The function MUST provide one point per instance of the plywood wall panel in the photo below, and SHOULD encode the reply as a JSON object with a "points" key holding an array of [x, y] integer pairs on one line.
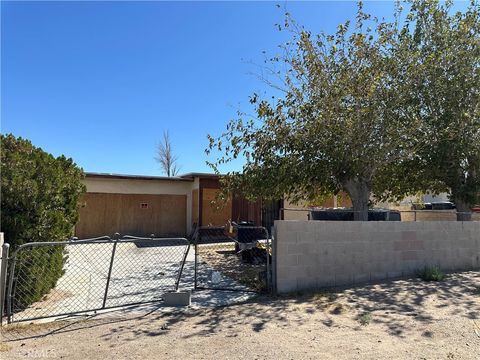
{"points": [[213, 214], [105, 214]]}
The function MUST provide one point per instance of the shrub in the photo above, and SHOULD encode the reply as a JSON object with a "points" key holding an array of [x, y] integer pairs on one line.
{"points": [[431, 273], [365, 319], [40, 195]]}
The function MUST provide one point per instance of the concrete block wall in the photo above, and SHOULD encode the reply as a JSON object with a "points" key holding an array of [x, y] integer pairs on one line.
{"points": [[317, 254]]}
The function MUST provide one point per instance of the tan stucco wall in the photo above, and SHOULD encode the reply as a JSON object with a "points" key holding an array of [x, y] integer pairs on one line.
{"points": [[141, 186], [295, 211], [137, 186], [299, 211], [316, 254]]}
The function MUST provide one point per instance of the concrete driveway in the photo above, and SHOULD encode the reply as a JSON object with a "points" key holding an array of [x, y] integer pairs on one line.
{"points": [[139, 275]]}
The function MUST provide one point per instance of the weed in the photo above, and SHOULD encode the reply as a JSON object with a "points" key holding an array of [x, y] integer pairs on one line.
{"points": [[4, 347], [431, 273], [365, 319]]}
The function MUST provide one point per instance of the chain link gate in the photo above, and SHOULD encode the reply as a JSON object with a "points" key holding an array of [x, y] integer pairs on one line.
{"points": [[237, 259], [96, 274]]}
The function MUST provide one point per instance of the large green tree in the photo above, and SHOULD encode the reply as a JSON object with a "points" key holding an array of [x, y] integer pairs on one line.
{"points": [[340, 121], [446, 46]]}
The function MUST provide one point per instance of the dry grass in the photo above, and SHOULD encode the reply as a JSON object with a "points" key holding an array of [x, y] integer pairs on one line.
{"points": [[4, 347], [222, 258]]}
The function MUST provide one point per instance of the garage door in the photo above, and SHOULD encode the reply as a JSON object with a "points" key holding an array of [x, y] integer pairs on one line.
{"points": [[132, 214]]}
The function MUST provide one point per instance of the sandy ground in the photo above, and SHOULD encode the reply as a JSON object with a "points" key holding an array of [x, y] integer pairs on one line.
{"points": [[404, 319], [230, 272]]}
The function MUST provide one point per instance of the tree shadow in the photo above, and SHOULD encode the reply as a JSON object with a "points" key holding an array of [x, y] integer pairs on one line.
{"points": [[395, 301], [391, 304]]}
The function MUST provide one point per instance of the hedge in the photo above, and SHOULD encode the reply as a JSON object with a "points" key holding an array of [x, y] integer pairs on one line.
{"points": [[40, 199]]}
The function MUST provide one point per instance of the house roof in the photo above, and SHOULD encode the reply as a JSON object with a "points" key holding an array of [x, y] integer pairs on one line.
{"points": [[136, 177], [201, 175]]}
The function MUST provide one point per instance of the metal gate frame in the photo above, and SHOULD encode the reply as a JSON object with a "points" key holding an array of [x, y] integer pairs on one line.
{"points": [[8, 264], [268, 265]]}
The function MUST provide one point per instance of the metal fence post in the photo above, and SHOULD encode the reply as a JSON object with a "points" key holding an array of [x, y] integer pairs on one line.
{"points": [[115, 237], [3, 279], [10, 288], [274, 259], [177, 283], [196, 262], [267, 248]]}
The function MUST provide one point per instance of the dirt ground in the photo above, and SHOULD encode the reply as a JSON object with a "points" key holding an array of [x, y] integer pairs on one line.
{"points": [[403, 319], [223, 258]]}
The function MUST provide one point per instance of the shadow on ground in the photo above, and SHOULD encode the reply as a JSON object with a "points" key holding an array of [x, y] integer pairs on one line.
{"points": [[392, 304]]}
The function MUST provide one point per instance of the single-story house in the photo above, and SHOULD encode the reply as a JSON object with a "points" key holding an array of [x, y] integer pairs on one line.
{"points": [[163, 206], [172, 206]]}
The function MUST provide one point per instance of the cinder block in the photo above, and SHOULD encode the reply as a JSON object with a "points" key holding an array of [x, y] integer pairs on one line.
{"points": [[308, 259], [296, 226], [409, 255], [306, 247], [282, 248], [351, 226], [417, 245], [379, 226], [311, 271], [177, 298], [294, 249], [283, 271], [400, 245], [411, 266], [361, 278], [378, 276], [475, 261], [326, 281], [280, 225], [394, 274], [409, 235], [290, 260], [306, 283], [343, 279], [286, 285], [336, 226]]}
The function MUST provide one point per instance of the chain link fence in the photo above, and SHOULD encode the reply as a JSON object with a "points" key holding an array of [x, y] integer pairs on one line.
{"points": [[95, 274], [237, 258]]}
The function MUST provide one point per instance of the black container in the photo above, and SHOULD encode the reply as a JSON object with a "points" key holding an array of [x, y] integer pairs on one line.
{"points": [[347, 215], [248, 234]]}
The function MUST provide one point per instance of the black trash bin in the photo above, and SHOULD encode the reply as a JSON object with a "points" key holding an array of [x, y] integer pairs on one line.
{"points": [[248, 234], [347, 215]]}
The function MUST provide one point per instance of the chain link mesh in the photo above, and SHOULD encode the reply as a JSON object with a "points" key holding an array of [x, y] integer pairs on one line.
{"points": [[232, 260], [92, 274]]}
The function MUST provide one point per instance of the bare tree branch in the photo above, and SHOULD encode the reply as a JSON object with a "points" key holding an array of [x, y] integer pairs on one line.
{"points": [[165, 157]]}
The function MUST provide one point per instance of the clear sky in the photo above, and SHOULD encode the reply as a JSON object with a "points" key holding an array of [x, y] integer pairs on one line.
{"points": [[100, 81]]}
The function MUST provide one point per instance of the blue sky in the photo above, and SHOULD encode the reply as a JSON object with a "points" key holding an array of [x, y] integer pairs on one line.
{"points": [[100, 81]]}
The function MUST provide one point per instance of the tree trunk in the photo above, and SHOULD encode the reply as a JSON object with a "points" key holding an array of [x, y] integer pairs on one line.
{"points": [[359, 192], [464, 213]]}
